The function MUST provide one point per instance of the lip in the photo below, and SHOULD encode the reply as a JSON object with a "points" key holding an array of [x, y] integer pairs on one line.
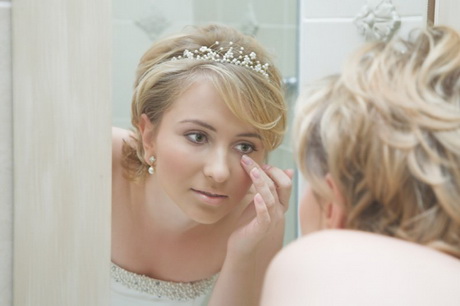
{"points": [[209, 197]]}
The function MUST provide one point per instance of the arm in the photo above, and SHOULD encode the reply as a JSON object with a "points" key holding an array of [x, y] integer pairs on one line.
{"points": [[240, 280], [252, 246]]}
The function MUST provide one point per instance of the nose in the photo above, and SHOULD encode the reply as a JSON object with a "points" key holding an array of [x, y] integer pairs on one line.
{"points": [[217, 166]]}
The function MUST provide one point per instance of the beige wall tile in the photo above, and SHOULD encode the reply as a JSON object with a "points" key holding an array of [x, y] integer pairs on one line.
{"points": [[206, 11], [282, 43], [136, 26], [276, 12]]}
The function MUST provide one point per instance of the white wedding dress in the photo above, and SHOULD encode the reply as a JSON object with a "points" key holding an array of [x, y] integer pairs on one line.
{"points": [[131, 289]]}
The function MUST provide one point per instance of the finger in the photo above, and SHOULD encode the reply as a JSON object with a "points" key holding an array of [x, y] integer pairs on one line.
{"points": [[261, 181], [289, 172], [265, 187], [252, 190], [283, 182], [249, 164], [263, 216], [281, 178]]}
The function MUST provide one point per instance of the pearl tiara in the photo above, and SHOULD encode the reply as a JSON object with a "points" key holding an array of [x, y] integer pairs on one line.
{"points": [[240, 59]]}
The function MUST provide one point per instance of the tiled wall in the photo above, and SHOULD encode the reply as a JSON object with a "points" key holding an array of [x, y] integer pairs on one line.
{"points": [[328, 33], [135, 26], [6, 158], [273, 22]]}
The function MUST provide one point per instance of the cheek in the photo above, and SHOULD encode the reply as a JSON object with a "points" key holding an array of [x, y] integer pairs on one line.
{"points": [[173, 161], [241, 182]]}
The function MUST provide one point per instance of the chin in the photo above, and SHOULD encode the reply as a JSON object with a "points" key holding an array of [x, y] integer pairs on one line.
{"points": [[207, 218]]}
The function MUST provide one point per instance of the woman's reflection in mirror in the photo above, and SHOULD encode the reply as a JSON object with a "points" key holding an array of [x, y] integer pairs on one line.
{"points": [[197, 214]]}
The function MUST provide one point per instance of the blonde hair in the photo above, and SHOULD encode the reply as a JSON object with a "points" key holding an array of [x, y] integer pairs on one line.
{"points": [[388, 131], [251, 96]]}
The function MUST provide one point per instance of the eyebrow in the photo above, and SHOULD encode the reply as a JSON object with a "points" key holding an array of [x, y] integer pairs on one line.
{"points": [[210, 127]]}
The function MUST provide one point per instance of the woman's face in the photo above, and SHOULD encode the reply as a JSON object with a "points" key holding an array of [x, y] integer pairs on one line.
{"points": [[198, 146]]}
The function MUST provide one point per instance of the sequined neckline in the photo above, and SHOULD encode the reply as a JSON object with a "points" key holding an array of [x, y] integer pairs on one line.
{"points": [[177, 291]]}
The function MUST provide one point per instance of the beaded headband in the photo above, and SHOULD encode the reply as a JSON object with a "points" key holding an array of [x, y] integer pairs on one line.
{"points": [[240, 59]]}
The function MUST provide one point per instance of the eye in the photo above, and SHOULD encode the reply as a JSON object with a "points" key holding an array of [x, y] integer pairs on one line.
{"points": [[196, 137], [245, 148]]}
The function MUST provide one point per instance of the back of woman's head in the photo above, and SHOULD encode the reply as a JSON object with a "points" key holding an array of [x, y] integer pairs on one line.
{"points": [[388, 131], [237, 65]]}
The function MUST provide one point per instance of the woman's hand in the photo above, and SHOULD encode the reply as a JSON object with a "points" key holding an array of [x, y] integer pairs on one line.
{"points": [[256, 239], [270, 195]]}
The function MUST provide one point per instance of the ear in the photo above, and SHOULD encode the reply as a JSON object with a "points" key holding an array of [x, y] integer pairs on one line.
{"points": [[335, 212], [146, 128]]}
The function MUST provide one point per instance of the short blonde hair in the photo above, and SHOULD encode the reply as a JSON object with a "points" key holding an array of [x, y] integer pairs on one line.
{"points": [[388, 131], [253, 97]]}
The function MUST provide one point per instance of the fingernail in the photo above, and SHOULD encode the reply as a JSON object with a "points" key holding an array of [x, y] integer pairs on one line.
{"points": [[246, 160], [258, 198], [266, 167], [255, 173]]}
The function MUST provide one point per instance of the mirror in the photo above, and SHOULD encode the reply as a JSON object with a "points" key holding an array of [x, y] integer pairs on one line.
{"points": [[274, 23]]}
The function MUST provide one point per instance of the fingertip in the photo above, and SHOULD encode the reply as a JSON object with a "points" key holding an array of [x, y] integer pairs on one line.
{"points": [[255, 173], [258, 198], [262, 211], [289, 172], [246, 160]]}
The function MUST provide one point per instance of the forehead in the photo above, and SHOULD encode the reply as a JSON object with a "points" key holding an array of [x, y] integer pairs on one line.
{"points": [[223, 82], [202, 101]]}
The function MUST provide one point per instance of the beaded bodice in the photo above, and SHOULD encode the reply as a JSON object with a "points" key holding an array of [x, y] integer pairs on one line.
{"points": [[177, 291]]}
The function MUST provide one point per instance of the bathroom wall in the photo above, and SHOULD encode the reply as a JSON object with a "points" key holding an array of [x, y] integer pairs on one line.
{"points": [[135, 26], [329, 33], [272, 22], [6, 158]]}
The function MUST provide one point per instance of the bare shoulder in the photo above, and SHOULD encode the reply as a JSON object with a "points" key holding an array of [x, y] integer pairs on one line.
{"points": [[341, 267]]}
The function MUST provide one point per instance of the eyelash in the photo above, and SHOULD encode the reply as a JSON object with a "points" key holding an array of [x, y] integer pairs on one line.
{"points": [[252, 148], [192, 137]]}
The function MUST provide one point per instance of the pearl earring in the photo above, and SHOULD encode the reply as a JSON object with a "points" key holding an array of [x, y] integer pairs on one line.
{"points": [[152, 159]]}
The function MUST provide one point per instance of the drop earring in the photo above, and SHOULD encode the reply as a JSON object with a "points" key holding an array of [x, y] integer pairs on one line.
{"points": [[152, 159]]}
